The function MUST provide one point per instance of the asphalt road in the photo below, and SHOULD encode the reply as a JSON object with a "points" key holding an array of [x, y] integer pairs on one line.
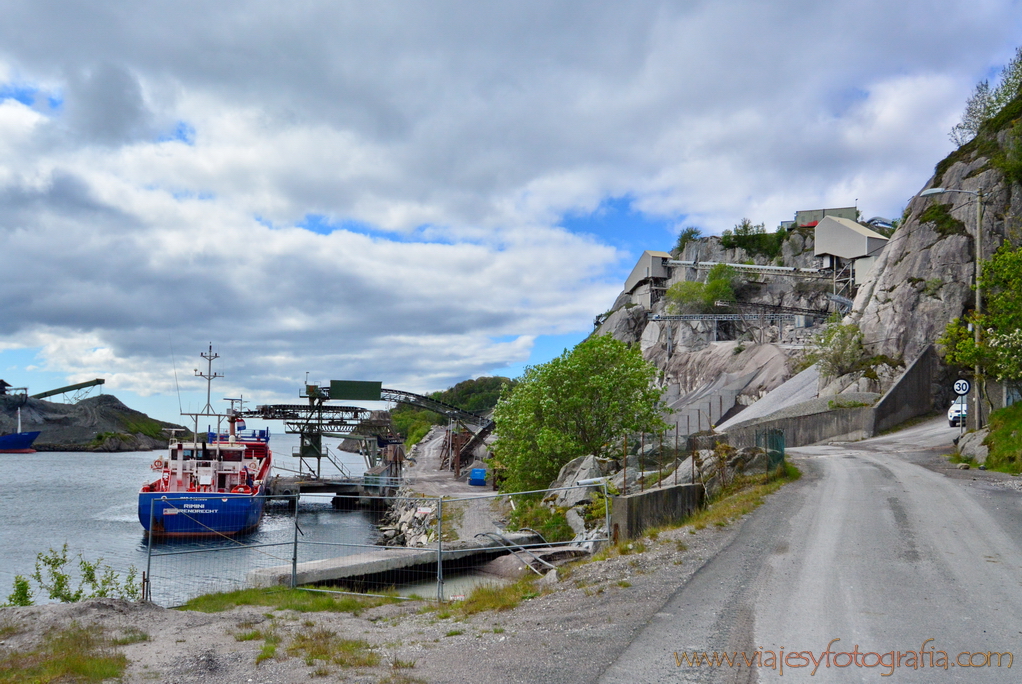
{"points": [[881, 545]]}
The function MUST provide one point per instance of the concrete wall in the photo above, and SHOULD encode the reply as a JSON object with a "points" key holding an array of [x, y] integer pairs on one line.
{"points": [[840, 424], [911, 395], [632, 515]]}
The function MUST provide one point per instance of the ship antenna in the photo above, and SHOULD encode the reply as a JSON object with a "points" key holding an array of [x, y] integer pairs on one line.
{"points": [[180, 408]]}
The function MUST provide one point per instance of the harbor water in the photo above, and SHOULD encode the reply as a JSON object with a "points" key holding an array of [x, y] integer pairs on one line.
{"points": [[89, 501]]}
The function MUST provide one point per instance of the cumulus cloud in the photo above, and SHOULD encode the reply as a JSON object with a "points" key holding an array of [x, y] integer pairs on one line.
{"points": [[375, 190]]}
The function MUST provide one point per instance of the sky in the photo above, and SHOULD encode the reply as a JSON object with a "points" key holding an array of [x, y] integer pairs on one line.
{"points": [[420, 193]]}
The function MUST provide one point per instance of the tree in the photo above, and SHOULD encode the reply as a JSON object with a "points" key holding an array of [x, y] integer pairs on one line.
{"points": [[999, 354], [572, 406], [684, 237], [694, 297], [986, 102]]}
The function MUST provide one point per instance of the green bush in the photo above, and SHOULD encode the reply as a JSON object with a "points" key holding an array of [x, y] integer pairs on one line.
{"points": [[536, 515], [1005, 440]]}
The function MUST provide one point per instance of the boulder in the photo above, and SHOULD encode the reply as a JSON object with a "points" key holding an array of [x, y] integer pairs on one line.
{"points": [[971, 445], [581, 468]]}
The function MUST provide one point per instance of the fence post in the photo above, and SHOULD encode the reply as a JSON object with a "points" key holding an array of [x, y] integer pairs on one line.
{"points": [[294, 551], [606, 508], [440, 549], [147, 592]]}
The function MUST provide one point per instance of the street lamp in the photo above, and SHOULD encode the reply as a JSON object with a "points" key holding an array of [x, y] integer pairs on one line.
{"points": [[978, 194]]}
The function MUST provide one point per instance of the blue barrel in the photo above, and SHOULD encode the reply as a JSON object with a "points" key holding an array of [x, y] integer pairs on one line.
{"points": [[477, 477]]}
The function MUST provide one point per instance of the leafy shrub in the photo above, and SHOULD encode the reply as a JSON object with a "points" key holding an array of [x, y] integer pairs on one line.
{"points": [[536, 515], [95, 580], [754, 239]]}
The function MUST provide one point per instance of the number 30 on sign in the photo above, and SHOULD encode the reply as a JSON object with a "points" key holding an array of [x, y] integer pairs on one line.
{"points": [[962, 387]]}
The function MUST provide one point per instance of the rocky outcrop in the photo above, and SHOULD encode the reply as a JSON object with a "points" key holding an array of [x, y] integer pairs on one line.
{"points": [[101, 423], [923, 278]]}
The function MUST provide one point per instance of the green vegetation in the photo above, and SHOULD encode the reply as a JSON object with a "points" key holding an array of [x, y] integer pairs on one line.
{"points": [[55, 577], [687, 235], [742, 495], [142, 425], [690, 296], [324, 645], [489, 597], [754, 239], [22, 594], [479, 395], [845, 404], [1005, 440], [80, 654], [574, 405], [943, 222], [838, 350], [281, 598], [999, 354], [988, 104], [1009, 161], [536, 515]]}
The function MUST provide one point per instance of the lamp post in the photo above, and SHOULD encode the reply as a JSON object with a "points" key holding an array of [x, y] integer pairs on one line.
{"points": [[978, 194]]}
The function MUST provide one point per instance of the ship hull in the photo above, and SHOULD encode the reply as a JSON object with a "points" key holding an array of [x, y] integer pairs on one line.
{"points": [[18, 443], [183, 514]]}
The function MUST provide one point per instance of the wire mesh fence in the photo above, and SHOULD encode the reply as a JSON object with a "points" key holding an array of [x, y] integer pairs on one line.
{"points": [[415, 545]]}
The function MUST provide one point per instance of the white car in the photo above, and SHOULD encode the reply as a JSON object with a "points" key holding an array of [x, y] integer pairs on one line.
{"points": [[957, 413]]}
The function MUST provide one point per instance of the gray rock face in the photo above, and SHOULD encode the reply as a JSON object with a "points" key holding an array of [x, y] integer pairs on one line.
{"points": [[581, 468], [922, 279]]}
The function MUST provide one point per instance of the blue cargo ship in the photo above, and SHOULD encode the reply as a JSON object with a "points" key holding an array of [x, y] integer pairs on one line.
{"points": [[214, 487], [18, 442], [208, 488]]}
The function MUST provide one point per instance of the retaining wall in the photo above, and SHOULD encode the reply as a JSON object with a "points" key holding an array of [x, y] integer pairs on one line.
{"points": [[911, 395], [839, 424], [632, 515]]}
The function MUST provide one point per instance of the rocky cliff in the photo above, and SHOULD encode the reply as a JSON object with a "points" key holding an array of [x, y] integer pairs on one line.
{"points": [[924, 277]]}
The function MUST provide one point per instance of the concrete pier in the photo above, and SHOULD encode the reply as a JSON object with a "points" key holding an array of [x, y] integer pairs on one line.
{"points": [[379, 559]]}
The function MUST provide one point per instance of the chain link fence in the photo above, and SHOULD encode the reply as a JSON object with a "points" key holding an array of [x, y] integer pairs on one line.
{"points": [[415, 545]]}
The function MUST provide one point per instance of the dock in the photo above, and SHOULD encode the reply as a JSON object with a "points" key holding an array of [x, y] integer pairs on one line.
{"points": [[386, 559]]}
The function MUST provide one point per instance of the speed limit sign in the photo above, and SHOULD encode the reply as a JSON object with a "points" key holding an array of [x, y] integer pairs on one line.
{"points": [[962, 387]]}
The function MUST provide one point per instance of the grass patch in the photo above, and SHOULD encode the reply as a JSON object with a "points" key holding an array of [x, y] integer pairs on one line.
{"points": [[402, 678], [498, 598], [80, 654], [324, 645], [280, 598], [1005, 440], [250, 635], [943, 222], [624, 584], [455, 632], [399, 664], [741, 496], [130, 635]]}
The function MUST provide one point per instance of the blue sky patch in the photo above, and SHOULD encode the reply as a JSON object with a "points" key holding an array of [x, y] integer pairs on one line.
{"points": [[616, 223], [25, 94], [545, 348], [183, 132]]}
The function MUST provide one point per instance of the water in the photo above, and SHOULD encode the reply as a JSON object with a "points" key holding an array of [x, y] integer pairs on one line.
{"points": [[89, 501]]}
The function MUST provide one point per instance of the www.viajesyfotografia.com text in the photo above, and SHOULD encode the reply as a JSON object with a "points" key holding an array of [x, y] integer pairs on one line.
{"points": [[927, 657]]}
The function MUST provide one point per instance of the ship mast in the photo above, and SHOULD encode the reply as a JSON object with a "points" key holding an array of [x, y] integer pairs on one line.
{"points": [[209, 376]]}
